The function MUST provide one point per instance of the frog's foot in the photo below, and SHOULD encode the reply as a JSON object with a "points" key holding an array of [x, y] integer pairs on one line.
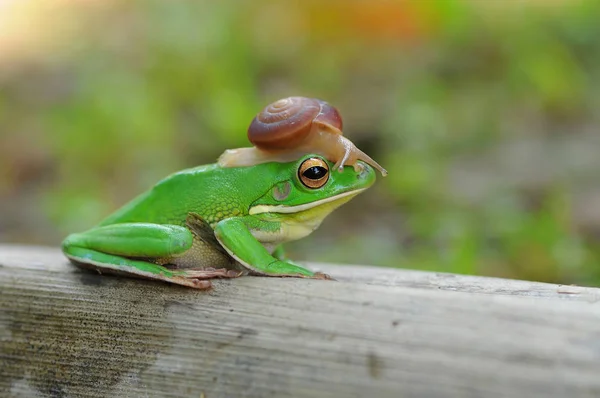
{"points": [[320, 275], [211, 273], [190, 282], [196, 278], [316, 275]]}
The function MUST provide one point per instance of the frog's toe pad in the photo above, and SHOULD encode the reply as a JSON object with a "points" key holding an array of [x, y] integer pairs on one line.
{"points": [[201, 284], [320, 275]]}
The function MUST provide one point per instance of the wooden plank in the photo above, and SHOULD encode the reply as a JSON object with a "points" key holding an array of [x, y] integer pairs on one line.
{"points": [[460, 283], [66, 332]]}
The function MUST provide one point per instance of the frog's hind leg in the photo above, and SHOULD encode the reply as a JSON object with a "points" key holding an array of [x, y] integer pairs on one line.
{"points": [[129, 249], [116, 265]]}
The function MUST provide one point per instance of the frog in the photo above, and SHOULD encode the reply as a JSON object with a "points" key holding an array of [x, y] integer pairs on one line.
{"points": [[211, 221]]}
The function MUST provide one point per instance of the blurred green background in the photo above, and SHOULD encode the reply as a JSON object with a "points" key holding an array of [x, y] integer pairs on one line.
{"points": [[483, 112]]}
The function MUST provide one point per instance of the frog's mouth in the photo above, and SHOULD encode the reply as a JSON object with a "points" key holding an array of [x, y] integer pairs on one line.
{"points": [[343, 198]]}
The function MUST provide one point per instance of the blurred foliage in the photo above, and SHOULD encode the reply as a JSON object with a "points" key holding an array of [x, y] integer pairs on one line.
{"points": [[482, 112]]}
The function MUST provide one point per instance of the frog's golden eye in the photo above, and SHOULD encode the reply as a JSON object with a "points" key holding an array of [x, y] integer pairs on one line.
{"points": [[314, 173]]}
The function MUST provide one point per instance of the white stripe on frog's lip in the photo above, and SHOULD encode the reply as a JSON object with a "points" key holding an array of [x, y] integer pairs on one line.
{"points": [[297, 209]]}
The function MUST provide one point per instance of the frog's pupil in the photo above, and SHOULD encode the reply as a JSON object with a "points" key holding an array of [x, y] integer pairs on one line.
{"points": [[315, 172]]}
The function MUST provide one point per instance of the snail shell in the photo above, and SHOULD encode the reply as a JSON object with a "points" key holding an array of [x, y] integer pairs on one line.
{"points": [[288, 122], [292, 127]]}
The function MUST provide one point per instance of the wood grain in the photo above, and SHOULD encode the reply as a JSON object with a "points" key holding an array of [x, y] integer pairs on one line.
{"points": [[373, 333]]}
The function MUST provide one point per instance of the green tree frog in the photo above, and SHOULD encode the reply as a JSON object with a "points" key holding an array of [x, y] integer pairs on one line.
{"points": [[213, 221]]}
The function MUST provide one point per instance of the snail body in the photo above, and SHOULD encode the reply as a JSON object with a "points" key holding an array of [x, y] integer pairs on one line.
{"points": [[292, 127]]}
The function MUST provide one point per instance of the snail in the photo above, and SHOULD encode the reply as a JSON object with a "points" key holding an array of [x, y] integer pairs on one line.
{"points": [[292, 127]]}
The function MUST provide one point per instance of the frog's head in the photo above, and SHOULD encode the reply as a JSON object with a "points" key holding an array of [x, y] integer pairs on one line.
{"points": [[309, 189]]}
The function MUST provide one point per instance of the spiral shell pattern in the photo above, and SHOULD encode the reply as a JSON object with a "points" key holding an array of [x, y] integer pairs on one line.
{"points": [[285, 123]]}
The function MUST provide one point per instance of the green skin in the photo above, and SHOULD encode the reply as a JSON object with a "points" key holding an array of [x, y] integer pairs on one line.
{"points": [[209, 222]]}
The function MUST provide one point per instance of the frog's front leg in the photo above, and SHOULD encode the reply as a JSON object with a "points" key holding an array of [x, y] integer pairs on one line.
{"points": [[129, 248], [235, 235]]}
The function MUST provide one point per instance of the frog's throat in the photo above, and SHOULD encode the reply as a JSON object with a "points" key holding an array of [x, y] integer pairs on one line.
{"points": [[259, 209]]}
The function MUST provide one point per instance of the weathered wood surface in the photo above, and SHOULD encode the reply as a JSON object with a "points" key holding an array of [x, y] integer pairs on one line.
{"points": [[373, 333]]}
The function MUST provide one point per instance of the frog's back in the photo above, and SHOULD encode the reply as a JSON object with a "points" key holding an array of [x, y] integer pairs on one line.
{"points": [[212, 192]]}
